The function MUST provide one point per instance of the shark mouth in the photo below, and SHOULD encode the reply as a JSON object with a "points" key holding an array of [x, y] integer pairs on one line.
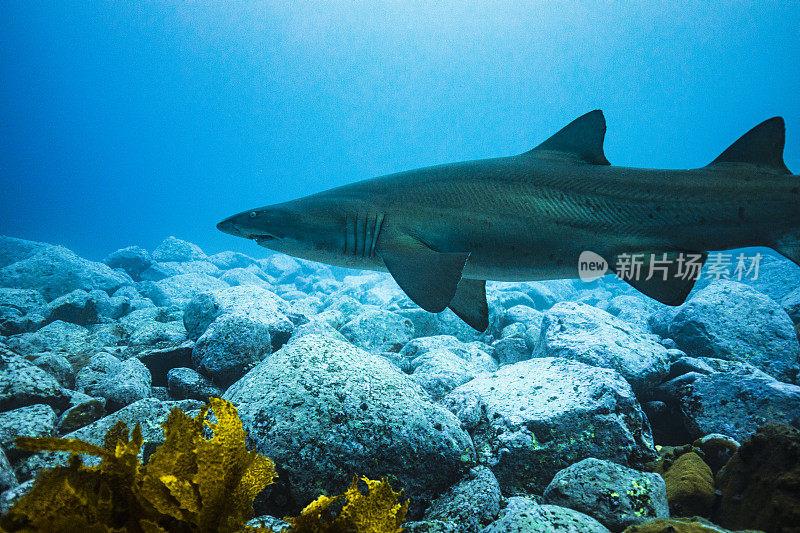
{"points": [[260, 239]]}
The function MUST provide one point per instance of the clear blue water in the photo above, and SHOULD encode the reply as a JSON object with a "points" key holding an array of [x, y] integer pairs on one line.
{"points": [[121, 124]]}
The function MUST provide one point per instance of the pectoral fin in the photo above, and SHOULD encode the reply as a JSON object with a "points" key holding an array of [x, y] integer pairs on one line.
{"points": [[665, 276], [428, 277], [469, 303]]}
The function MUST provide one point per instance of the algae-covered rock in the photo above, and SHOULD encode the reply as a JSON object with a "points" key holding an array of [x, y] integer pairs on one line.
{"points": [[324, 410], [760, 485], [690, 486], [678, 525], [615, 495]]}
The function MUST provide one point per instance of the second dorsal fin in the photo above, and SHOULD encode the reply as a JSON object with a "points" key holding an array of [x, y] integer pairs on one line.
{"points": [[581, 139], [762, 146]]}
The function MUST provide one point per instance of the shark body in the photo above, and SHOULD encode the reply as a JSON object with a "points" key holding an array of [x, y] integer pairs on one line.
{"points": [[442, 231]]}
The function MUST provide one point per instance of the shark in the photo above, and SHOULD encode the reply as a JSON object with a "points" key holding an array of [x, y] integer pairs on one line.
{"points": [[443, 231]]}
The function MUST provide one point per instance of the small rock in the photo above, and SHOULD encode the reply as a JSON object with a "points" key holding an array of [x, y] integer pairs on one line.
{"points": [[8, 480], [186, 384], [535, 518], [471, 503], [230, 260], [615, 495], [690, 486], [84, 410]]}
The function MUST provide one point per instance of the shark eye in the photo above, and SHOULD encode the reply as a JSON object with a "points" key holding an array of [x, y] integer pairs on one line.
{"points": [[253, 214]]}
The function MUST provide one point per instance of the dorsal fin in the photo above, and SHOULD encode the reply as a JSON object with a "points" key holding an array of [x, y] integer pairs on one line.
{"points": [[762, 146], [582, 139]]}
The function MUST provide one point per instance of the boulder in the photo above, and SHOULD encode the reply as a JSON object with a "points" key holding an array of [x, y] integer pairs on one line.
{"points": [[634, 310], [323, 410], [232, 345], [613, 494], [120, 382], [690, 486], [734, 399], [179, 290], [71, 340], [244, 276], [205, 307], [441, 370], [729, 320], [186, 384], [8, 480], [55, 271], [584, 333], [38, 420], [759, 485], [83, 410], [16, 308], [526, 516], [57, 366], [281, 267], [13, 249], [133, 260], [470, 504], [378, 330], [173, 249], [475, 352], [230, 260], [531, 419], [159, 271], [23, 384], [512, 348]]}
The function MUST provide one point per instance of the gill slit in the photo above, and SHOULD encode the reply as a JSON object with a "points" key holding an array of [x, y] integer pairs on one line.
{"points": [[361, 234]]}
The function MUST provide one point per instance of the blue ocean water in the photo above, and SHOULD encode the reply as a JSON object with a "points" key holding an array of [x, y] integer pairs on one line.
{"points": [[122, 123]]}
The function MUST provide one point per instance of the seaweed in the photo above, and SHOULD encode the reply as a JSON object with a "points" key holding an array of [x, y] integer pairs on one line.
{"points": [[190, 484]]}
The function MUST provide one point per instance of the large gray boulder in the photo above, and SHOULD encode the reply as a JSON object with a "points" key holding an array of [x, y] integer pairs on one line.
{"points": [[120, 382], [325, 410], [72, 340], [174, 249], [229, 260], [55, 271], [470, 504], [167, 269], [179, 290], [17, 310], [531, 419], [729, 397], [441, 370], [134, 260], [22, 384], [584, 333], [729, 320], [244, 300], [526, 516], [38, 420], [232, 345], [378, 330], [13, 249], [615, 495]]}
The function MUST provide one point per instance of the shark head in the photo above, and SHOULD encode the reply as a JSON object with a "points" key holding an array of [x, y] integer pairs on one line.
{"points": [[301, 228]]}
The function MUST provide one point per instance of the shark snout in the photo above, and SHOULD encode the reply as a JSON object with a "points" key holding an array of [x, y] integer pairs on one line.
{"points": [[229, 226]]}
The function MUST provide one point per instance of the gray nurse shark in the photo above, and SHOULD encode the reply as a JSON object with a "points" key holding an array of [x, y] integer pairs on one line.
{"points": [[442, 231]]}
